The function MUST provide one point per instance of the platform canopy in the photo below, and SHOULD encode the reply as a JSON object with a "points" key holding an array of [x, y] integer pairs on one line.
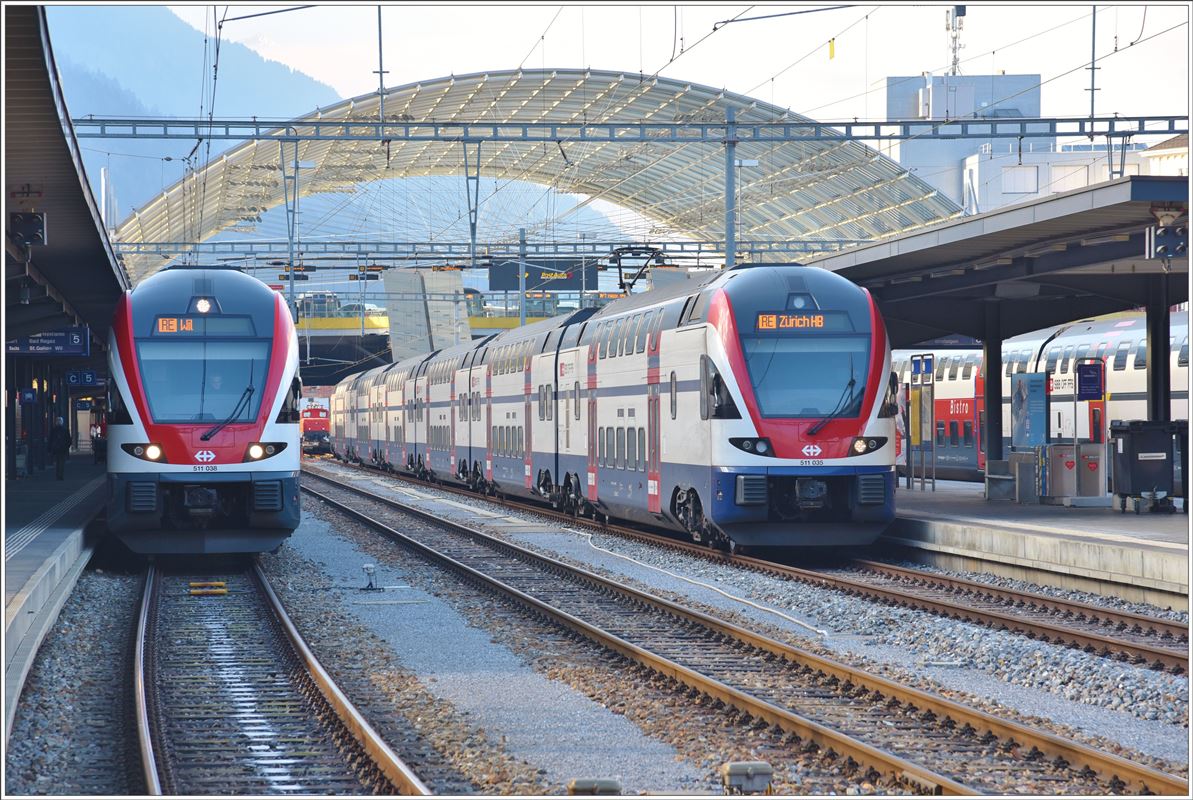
{"points": [[797, 190]]}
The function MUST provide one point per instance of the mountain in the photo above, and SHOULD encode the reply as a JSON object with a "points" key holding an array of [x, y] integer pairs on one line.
{"points": [[144, 61]]}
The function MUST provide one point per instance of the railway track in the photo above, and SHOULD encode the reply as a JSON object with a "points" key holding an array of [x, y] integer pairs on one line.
{"points": [[229, 700], [875, 726], [1150, 641]]}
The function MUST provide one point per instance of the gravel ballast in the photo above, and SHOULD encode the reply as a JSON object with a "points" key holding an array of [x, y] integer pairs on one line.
{"points": [[558, 731], [1105, 702], [71, 734]]}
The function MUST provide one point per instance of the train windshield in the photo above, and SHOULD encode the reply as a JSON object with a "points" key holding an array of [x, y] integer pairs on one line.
{"points": [[204, 380], [807, 376]]}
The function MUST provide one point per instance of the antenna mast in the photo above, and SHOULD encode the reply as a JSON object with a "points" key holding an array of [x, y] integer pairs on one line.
{"points": [[954, 23]]}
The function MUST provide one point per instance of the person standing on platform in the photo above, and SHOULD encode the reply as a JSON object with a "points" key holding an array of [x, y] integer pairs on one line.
{"points": [[59, 444]]}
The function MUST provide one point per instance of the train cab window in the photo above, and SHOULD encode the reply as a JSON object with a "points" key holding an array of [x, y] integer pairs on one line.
{"points": [[610, 446], [631, 449], [967, 431], [954, 439], [600, 447], [642, 449], [954, 365], [674, 397], [621, 448], [576, 391], [1141, 354], [1120, 355], [940, 434], [1182, 359], [1064, 359]]}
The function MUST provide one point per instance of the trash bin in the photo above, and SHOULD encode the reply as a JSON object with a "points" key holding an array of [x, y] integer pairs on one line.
{"points": [[1180, 460], [1142, 451]]}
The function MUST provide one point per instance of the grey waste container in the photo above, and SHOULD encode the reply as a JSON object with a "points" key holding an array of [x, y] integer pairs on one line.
{"points": [[1142, 452]]}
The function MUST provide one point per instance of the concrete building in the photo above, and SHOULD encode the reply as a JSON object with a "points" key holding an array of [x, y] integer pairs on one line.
{"points": [[940, 162], [426, 311]]}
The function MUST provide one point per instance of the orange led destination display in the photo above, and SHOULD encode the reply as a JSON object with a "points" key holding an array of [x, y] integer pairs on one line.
{"points": [[175, 325], [787, 321], [206, 325]]}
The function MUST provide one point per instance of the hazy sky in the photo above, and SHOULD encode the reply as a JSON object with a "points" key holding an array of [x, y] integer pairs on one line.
{"points": [[784, 60]]}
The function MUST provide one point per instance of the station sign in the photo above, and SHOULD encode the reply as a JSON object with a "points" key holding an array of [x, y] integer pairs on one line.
{"points": [[80, 377], [297, 277], [1089, 381], [82, 405], [28, 397], [370, 277], [544, 274], [74, 341]]}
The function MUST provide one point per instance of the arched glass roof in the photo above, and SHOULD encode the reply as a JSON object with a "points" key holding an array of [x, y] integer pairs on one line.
{"points": [[798, 190]]}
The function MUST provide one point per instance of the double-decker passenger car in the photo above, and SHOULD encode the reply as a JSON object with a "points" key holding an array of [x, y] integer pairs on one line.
{"points": [[1119, 341], [203, 415], [755, 408]]}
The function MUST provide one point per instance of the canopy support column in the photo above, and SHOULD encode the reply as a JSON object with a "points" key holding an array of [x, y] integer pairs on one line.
{"points": [[1159, 357], [992, 359]]}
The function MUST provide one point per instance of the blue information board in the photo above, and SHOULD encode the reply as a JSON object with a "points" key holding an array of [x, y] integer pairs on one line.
{"points": [[66, 342], [80, 377], [83, 405], [1089, 381], [28, 397], [1029, 409]]}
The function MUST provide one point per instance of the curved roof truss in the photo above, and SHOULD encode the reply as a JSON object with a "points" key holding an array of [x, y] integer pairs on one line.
{"points": [[799, 190]]}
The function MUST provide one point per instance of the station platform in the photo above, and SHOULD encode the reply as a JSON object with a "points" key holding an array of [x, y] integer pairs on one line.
{"points": [[1138, 557], [45, 550]]}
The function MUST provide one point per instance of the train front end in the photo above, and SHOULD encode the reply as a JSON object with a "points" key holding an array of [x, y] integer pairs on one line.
{"points": [[810, 462], [204, 446]]}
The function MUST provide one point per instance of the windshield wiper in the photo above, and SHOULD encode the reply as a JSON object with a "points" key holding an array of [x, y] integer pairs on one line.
{"points": [[842, 405], [244, 398]]}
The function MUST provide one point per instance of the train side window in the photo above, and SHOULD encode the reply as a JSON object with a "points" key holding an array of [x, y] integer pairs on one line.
{"points": [[941, 365], [1082, 352], [1101, 351], [1141, 354], [631, 449], [521, 441], [640, 335], [600, 337], [627, 342], [1120, 355], [1182, 359], [954, 440], [1053, 357], [1009, 360], [953, 366], [623, 332], [542, 405], [940, 434], [642, 449], [610, 446], [576, 390], [1064, 359], [600, 447], [674, 397], [549, 391], [967, 371], [621, 448], [967, 431]]}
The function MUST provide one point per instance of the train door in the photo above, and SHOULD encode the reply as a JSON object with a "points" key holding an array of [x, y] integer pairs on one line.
{"points": [[653, 479], [410, 395]]}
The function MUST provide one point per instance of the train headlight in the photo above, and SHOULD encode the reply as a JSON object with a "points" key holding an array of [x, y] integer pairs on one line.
{"points": [[866, 444], [758, 447], [145, 452], [259, 450], [203, 306], [762, 448]]}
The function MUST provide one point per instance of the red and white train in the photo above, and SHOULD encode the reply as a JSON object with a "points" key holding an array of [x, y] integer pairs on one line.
{"points": [[755, 408], [203, 453], [1119, 341]]}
